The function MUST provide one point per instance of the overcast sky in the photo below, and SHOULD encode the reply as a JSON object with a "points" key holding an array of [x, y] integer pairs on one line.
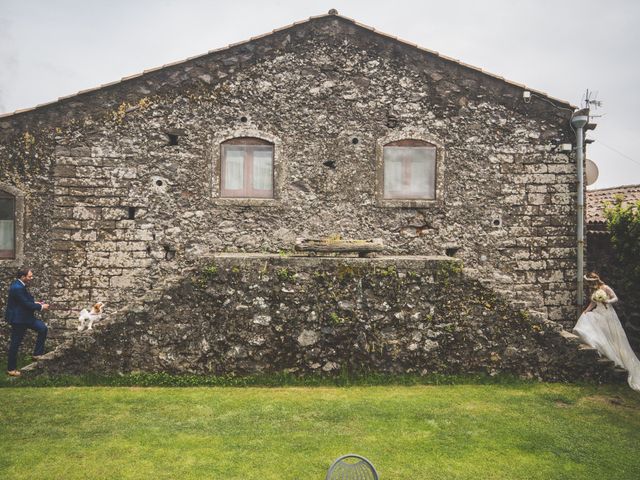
{"points": [[53, 48]]}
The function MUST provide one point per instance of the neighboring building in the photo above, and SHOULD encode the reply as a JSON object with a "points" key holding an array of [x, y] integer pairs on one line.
{"points": [[325, 127], [598, 200]]}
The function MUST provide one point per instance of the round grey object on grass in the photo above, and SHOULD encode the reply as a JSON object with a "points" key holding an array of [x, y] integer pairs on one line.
{"points": [[352, 466]]}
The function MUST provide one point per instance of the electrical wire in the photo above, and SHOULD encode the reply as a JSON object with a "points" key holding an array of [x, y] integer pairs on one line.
{"points": [[618, 152]]}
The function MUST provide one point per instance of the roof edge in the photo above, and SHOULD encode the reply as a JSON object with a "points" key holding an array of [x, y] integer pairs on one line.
{"points": [[332, 13], [620, 187]]}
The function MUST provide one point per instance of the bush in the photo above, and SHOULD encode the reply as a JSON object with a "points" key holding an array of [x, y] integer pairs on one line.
{"points": [[623, 223]]}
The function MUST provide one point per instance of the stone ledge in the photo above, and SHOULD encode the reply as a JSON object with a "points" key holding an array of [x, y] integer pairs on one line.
{"points": [[299, 257]]}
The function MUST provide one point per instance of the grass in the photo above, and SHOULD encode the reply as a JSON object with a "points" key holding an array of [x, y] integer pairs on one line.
{"points": [[344, 379], [517, 430]]}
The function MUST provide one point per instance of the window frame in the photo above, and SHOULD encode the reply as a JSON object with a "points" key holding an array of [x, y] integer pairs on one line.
{"points": [[406, 175], [250, 145], [4, 195], [18, 226], [414, 137], [216, 140]]}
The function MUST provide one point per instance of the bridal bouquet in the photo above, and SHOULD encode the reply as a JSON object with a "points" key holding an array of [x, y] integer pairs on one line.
{"points": [[600, 296]]}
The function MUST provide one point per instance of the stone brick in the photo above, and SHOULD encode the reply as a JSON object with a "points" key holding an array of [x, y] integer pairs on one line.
{"points": [[64, 171], [562, 199], [562, 168], [82, 151], [131, 246], [122, 281], [84, 213], [537, 199]]}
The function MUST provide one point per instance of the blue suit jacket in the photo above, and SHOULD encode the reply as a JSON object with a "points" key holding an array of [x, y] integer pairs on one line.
{"points": [[20, 305]]}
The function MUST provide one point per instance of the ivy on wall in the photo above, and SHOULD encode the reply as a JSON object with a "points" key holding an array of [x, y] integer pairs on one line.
{"points": [[623, 223]]}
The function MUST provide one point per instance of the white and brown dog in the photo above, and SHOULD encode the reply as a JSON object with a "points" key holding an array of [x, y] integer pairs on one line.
{"points": [[87, 317]]}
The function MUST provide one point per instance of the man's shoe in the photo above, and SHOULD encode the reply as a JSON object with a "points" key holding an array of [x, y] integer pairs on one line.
{"points": [[37, 357], [14, 373]]}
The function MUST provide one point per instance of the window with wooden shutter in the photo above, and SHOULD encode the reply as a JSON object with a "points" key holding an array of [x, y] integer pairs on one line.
{"points": [[7, 225], [246, 169]]}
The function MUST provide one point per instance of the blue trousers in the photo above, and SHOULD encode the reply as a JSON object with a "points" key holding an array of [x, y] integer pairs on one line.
{"points": [[18, 331]]}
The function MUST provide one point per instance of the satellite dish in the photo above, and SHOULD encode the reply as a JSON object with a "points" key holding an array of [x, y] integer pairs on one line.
{"points": [[592, 172]]}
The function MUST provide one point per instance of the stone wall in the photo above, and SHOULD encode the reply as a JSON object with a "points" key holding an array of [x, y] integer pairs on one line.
{"points": [[242, 314], [26, 164], [131, 212]]}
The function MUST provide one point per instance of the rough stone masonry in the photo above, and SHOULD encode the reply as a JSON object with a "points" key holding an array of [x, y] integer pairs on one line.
{"points": [[244, 314], [118, 188]]}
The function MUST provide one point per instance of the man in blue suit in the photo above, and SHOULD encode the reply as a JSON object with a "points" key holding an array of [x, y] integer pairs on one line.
{"points": [[20, 314]]}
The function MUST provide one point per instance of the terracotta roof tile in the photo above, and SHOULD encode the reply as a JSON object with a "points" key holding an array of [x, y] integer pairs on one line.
{"points": [[596, 200]]}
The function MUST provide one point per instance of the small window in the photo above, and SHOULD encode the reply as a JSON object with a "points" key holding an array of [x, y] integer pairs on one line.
{"points": [[409, 170], [246, 169], [7, 225]]}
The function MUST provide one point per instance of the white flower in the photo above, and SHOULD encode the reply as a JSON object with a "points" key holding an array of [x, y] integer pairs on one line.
{"points": [[600, 296]]}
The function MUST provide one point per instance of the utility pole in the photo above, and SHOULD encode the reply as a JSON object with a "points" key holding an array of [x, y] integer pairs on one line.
{"points": [[579, 120]]}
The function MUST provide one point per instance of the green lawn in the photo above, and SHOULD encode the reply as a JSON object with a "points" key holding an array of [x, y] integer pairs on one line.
{"points": [[520, 431]]}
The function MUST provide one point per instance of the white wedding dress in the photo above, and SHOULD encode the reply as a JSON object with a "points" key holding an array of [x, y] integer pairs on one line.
{"points": [[600, 328]]}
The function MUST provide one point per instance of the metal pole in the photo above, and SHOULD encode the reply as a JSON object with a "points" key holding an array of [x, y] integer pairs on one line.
{"points": [[578, 121]]}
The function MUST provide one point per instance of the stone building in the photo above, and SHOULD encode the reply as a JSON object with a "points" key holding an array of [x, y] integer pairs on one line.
{"points": [[322, 129]]}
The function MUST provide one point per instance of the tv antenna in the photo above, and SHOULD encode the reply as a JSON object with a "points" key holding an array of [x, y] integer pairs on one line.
{"points": [[590, 99]]}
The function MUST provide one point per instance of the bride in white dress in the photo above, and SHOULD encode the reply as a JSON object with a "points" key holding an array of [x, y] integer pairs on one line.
{"points": [[600, 328]]}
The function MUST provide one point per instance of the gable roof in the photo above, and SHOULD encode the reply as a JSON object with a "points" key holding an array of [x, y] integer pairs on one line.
{"points": [[333, 14], [597, 199]]}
